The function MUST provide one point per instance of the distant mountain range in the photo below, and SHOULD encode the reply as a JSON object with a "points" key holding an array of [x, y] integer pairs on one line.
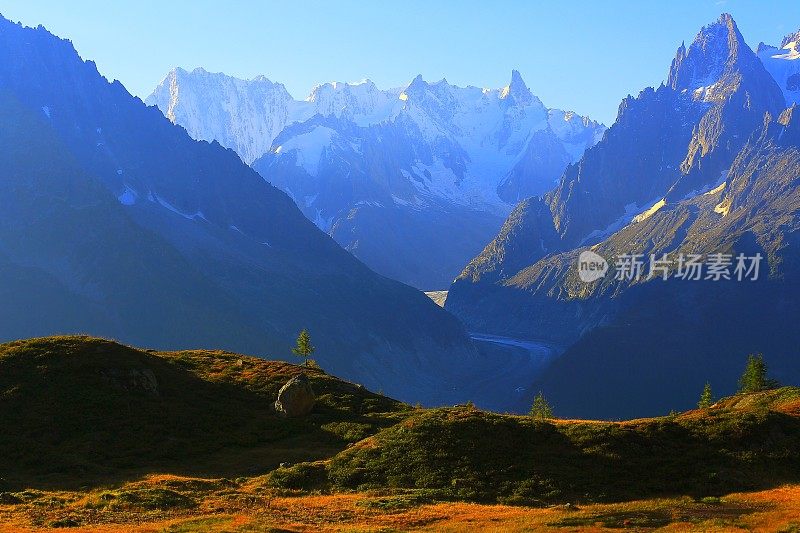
{"points": [[413, 181], [707, 163], [116, 222]]}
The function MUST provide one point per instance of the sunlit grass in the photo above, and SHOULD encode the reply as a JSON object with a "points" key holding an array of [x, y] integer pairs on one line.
{"points": [[246, 507]]}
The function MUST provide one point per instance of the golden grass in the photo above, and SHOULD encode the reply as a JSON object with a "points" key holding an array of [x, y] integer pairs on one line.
{"points": [[247, 506]]}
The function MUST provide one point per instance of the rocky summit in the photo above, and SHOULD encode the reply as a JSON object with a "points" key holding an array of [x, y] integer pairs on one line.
{"points": [[704, 164]]}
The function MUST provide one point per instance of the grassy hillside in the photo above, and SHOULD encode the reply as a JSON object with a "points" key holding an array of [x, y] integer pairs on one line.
{"points": [[466, 454], [99, 433], [81, 410]]}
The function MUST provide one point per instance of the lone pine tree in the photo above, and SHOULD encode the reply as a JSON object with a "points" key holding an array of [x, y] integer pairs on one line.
{"points": [[303, 347], [540, 408], [754, 378], [706, 398]]}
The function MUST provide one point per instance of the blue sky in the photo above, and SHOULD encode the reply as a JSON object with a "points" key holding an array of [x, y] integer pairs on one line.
{"points": [[576, 55]]}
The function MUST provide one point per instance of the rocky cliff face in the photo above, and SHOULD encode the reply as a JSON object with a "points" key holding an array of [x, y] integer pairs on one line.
{"points": [[702, 165], [672, 336], [669, 141]]}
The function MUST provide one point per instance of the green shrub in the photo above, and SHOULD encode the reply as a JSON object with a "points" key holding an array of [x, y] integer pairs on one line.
{"points": [[302, 476]]}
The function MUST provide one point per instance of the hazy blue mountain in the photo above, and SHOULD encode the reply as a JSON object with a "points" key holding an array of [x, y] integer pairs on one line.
{"points": [[117, 223]]}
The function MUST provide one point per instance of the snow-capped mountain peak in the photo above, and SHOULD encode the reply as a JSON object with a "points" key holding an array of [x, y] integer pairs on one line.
{"points": [[517, 90], [438, 98], [784, 65], [789, 48], [792, 43], [245, 115], [361, 102]]}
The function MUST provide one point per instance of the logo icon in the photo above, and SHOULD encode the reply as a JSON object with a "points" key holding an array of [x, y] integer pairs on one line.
{"points": [[591, 266]]}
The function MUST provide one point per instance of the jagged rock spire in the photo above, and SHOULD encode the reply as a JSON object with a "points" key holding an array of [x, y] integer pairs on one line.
{"points": [[516, 90], [715, 49]]}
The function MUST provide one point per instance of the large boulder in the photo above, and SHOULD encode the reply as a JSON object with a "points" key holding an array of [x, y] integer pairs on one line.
{"points": [[296, 398], [141, 380]]}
